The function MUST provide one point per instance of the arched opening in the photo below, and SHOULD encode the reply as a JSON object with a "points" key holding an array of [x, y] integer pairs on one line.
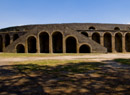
{"points": [[57, 40], [15, 37], [127, 42], [1, 44], [96, 37], [118, 42], [108, 42], [91, 28], [85, 34], [84, 49], [7, 40], [71, 45], [117, 28], [44, 42], [20, 48], [31, 41]]}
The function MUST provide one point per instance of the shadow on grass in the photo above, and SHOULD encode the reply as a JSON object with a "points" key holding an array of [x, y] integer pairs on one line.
{"points": [[123, 61], [84, 78]]}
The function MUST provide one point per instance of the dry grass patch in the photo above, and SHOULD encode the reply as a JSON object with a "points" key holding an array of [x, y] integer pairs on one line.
{"points": [[42, 54]]}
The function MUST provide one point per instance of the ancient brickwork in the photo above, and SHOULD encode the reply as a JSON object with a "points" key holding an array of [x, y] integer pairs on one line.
{"points": [[66, 38]]}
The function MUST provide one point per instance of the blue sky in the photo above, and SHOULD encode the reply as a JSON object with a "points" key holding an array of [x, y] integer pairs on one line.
{"points": [[23, 12]]}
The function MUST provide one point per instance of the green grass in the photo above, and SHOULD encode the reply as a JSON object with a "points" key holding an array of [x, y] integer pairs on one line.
{"points": [[54, 66], [47, 62], [123, 61], [51, 62], [41, 54]]}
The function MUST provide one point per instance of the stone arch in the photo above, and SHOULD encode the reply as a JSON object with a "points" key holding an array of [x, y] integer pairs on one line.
{"points": [[118, 42], [7, 40], [119, 33], [57, 42], [15, 37], [92, 28], [108, 42], [127, 42], [1, 43], [44, 42], [31, 42], [96, 37], [20, 48], [117, 28], [85, 34], [84, 49], [71, 45]]}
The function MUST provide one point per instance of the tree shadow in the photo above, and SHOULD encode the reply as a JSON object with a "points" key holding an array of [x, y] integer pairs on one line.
{"points": [[84, 78]]}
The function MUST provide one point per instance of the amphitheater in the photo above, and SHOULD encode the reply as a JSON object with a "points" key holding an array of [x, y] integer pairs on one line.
{"points": [[66, 38]]}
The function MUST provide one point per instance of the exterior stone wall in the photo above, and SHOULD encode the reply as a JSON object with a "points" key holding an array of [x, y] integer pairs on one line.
{"points": [[93, 38]]}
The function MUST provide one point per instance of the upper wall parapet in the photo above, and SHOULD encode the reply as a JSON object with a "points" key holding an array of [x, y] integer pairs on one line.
{"points": [[74, 26]]}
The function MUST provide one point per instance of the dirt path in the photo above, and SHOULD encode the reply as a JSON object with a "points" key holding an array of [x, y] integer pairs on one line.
{"points": [[91, 57], [96, 57]]}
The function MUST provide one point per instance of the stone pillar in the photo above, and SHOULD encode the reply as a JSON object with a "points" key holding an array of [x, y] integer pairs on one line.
{"points": [[123, 44], [64, 46], [113, 44], [26, 46], [50, 45], [77, 47], [101, 40], [38, 45], [90, 37]]}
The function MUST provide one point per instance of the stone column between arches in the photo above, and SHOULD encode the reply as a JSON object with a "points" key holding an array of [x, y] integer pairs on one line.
{"points": [[64, 45], [101, 40], [50, 45], [38, 44], [123, 44], [90, 37], [113, 44]]}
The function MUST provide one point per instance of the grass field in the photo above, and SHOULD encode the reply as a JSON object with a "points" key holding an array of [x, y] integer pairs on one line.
{"points": [[68, 65], [42, 54]]}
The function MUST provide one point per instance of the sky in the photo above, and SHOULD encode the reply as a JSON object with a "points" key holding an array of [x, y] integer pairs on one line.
{"points": [[24, 12]]}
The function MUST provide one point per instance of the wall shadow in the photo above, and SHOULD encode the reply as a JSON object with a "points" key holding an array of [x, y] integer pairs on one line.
{"points": [[84, 78]]}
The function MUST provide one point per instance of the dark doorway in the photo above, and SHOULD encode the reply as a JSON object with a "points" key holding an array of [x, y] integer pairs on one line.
{"points": [[44, 42], [84, 49], [31, 41], [127, 42], [57, 40], [1, 44], [71, 45], [20, 48], [118, 42], [7, 40], [108, 42], [96, 37], [15, 37]]}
